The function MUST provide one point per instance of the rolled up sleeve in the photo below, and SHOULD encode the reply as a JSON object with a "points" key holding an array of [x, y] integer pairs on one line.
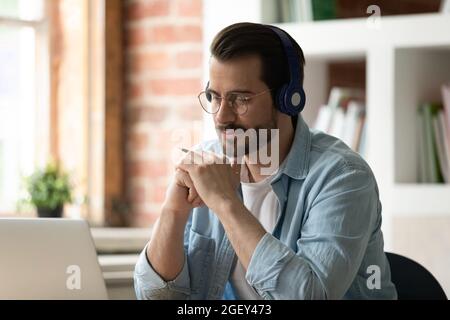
{"points": [[330, 248], [149, 285]]}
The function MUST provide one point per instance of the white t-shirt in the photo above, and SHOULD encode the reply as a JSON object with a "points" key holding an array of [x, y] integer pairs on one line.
{"points": [[262, 202]]}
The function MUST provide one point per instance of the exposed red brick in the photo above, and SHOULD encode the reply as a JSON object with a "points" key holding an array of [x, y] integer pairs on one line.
{"points": [[138, 194], [188, 86], [138, 140], [147, 114], [149, 61], [189, 8], [161, 34], [147, 9], [157, 194], [134, 90], [161, 139], [190, 112], [193, 33], [181, 33], [148, 168], [154, 54], [189, 59], [136, 37]]}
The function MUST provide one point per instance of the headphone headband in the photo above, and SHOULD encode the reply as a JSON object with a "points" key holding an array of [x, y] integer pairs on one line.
{"points": [[291, 96]]}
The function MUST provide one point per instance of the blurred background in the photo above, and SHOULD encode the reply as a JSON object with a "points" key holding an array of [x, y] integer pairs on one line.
{"points": [[107, 89]]}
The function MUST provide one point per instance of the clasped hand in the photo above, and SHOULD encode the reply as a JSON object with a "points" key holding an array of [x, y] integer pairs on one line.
{"points": [[213, 179]]}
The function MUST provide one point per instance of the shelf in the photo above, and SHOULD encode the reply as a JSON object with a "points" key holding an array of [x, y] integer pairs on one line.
{"points": [[353, 37], [120, 240], [421, 199]]}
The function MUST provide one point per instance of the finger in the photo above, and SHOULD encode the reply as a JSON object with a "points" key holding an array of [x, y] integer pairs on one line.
{"points": [[198, 203], [183, 179], [186, 181], [192, 195], [187, 163], [195, 201], [193, 157], [212, 157]]}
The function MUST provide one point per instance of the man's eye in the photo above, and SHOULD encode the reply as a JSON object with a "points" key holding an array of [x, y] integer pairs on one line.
{"points": [[240, 99], [215, 99]]}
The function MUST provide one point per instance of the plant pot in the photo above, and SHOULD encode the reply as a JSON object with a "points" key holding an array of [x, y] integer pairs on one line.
{"points": [[50, 213]]}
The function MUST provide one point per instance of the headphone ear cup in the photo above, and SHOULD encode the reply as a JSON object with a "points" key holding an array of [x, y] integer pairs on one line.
{"points": [[281, 94], [285, 100], [303, 99], [294, 100]]}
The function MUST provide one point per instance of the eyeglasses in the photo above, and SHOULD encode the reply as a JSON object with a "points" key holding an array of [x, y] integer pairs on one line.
{"points": [[238, 102]]}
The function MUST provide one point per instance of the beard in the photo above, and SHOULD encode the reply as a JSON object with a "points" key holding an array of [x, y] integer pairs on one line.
{"points": [[238, 141]]}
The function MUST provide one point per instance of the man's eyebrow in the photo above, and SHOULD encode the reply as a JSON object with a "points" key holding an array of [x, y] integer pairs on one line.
{"points": [[232, 91]]}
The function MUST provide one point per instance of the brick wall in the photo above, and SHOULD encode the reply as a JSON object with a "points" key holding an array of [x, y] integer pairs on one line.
{"points": [[163, 70]]}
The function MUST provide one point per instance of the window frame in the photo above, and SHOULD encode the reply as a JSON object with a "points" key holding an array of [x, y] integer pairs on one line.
{"points": [[41, 141]]}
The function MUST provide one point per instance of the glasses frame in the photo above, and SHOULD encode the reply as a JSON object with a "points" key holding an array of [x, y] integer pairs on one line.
{"points": [[230, 104]]}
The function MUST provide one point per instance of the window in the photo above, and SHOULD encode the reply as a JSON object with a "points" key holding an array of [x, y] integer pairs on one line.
{"points": [[23, 95]]}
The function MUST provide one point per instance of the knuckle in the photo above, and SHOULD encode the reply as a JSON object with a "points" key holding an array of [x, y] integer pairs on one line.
{"points": [[200, 168]]}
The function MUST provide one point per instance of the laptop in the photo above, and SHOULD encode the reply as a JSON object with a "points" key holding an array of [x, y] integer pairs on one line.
{"points": [[48, 259]]}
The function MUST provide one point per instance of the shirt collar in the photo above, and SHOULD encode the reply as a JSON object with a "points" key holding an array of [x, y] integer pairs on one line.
{"points": [[297, 160]]}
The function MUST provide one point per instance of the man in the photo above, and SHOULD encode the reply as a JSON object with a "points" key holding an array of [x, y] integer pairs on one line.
{"points": [[308, 230]]}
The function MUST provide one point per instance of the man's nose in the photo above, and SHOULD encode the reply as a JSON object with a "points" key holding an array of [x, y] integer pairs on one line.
{"points": [[225, 113]]}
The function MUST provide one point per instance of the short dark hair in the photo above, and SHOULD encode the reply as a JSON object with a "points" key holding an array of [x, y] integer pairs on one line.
{"points": [[246, 38]]}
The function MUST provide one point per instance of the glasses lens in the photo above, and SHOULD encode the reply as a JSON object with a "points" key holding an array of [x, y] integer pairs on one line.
{"points": [[239, 105], [208, 103]]}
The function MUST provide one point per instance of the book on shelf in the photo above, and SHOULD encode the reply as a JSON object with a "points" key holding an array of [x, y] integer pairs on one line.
{"points": [[270, 11], [441, 144], [344, 116], [434, 139], [285, 11], [445, 92], [444, 127], [433, 144], [445, 6], [324, 9], [421, 149], [362, 141], [308, 10], [359, 134], [337, 123], [291, 10]]}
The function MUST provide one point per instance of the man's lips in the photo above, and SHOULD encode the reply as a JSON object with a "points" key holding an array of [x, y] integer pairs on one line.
{"points": [[228, 133], [231, 133]]}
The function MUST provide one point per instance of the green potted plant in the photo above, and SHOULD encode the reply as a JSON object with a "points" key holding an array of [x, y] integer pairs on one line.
{"points": [[49, 189]]}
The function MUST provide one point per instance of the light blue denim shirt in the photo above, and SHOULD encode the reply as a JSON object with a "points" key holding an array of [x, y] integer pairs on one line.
{"points": [[327, 242]]}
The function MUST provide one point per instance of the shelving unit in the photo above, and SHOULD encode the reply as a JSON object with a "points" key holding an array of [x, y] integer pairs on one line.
{"points": [[421, 199], [407, 59]]}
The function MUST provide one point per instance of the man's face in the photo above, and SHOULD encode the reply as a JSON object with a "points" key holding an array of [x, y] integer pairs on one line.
{"points": [[241, 75]]}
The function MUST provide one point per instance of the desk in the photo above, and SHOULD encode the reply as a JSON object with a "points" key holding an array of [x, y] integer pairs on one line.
{"points": [[118, 251], [118, 272]]}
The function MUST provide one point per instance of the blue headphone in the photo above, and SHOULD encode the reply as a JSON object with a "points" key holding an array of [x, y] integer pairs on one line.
{"points": [[290, 97]]}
